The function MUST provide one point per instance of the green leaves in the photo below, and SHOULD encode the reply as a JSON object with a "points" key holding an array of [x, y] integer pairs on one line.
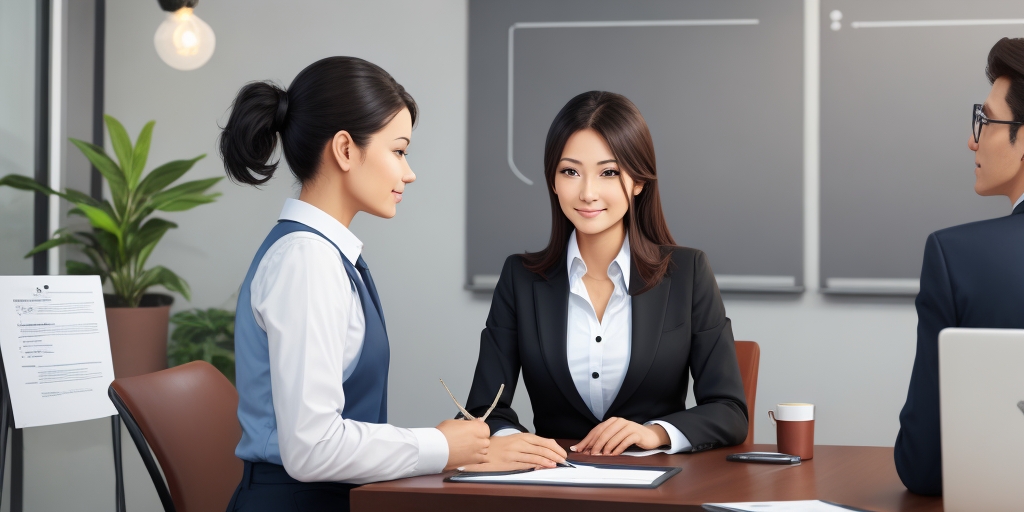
{"points": [[159, 275], [123, 236], [110, 171], [122, 145], [77, 268], [204, 335], [143, 242], [185, 196], [100, 219], [51, 243], [164, 175], [22, 182], [139, 155]]}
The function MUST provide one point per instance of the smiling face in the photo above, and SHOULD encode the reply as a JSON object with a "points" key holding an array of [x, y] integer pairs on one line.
{"points": [[999, 169], [379, 172], [590, 185]]}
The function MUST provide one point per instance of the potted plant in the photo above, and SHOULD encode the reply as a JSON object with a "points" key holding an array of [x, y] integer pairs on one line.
{"points": [[123, 235]]}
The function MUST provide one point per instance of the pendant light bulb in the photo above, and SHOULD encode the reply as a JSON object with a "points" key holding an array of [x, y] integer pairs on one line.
{"points": [[184, 41]]}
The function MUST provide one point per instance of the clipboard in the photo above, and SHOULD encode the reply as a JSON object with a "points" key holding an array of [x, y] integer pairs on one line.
{"points": [[509, 477]]}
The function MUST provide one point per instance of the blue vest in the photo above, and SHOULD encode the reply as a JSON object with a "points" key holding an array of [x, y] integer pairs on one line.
{"points": [[366, 388]]}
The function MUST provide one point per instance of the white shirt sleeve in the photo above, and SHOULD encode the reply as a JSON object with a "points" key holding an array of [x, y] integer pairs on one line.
{"points": [[304, 305], [679, 441], [507, 431]]}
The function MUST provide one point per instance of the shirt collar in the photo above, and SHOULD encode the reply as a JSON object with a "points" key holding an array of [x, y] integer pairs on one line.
{"points": [[305, 213], [574, 260], [1019, 201]]}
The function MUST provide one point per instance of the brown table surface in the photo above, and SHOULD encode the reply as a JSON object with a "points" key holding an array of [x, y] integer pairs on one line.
{"points": [[859, 476]]}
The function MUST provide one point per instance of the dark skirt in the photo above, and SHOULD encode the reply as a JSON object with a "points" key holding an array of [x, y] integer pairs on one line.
{"points": [[266, 487]]}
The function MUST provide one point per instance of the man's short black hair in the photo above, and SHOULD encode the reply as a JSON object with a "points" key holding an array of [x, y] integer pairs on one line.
{"points": [[1007, 59]]}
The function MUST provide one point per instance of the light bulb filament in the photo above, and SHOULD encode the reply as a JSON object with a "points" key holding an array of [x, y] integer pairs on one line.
{"points": [[186, 33], [183, 40]]}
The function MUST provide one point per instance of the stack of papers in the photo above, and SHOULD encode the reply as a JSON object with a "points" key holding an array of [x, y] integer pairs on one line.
{"points": [[779, 506], [583, 475]]}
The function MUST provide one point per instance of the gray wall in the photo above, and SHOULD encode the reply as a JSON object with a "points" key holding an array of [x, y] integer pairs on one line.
{"points": [[852, 357]]}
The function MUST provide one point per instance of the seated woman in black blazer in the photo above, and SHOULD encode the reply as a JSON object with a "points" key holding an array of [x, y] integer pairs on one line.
{"points": [[606, 321]]}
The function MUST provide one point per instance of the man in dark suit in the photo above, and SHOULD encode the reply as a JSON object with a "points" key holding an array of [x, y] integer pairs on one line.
{"points": [[973, 274]]}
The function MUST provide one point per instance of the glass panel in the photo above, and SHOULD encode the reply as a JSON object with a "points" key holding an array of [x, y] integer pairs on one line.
{"points": [[17, 129]]}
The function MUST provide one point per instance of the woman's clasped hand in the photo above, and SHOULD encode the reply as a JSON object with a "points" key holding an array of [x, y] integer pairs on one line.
{"points": [[614, 435]]}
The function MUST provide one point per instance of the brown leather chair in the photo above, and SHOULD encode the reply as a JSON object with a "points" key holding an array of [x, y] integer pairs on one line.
{"points": [[187, 415], [748, 354]]}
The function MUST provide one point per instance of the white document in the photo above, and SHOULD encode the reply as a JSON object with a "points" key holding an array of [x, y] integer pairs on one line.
{"points": [[56, 349], [776, 506], [582, 475], [644, 453]]}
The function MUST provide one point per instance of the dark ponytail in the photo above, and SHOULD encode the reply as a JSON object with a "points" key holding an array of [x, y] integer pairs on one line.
{"points": [[330, 95]]}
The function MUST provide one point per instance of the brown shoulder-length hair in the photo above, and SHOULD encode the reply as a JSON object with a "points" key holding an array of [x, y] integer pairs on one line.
{"points": [[618, 120]]}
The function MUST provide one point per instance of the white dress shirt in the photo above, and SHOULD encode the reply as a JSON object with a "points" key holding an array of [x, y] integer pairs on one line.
{"points": [[1019, 201], [598, 351], [303, 298]]}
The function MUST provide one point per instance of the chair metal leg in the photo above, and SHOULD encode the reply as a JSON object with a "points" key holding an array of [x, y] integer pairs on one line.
{"points": [[17, 468], [5, 414], [115, 425]]}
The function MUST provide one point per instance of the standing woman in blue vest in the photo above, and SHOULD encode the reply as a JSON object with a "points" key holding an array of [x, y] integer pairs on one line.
{"points": [[311, 346]]}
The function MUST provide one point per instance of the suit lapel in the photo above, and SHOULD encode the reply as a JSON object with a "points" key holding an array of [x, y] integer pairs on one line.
{"points": [[648, 318], [1019, 209], [551, 300]]}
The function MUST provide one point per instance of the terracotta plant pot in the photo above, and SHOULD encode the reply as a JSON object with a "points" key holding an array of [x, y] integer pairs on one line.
{"points": [[138, 336]]}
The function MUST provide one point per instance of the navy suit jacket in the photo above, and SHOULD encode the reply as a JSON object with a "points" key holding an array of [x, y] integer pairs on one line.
{"points": [[973, 276]]}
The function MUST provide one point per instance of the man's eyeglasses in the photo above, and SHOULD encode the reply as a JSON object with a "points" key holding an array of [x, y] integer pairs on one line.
{"points": [[466, 413], [979, 119]]}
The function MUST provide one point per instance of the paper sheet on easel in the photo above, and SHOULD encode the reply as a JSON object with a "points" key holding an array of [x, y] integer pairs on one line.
{"points": [[56, 349]]}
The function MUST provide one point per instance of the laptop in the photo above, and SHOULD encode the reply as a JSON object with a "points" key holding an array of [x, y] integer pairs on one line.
{"points": [[981, 399]]}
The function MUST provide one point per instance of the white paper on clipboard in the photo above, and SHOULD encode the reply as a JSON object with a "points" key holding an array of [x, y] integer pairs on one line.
{"points": [[778, 506], [56, 349], [579, 475]]}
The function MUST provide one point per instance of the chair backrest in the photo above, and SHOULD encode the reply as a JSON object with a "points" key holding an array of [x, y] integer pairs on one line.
{"points": [[187, 415], [748, 354]]}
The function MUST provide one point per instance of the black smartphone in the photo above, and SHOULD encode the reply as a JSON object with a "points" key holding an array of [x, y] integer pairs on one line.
{"points": [[764, 458]]}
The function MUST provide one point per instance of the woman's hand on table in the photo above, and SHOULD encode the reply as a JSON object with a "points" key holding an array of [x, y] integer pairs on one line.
{"points": [[525, 449], [614, 435]]}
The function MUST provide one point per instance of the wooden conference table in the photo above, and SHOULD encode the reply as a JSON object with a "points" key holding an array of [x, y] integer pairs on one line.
{"points": [[859, 476]]}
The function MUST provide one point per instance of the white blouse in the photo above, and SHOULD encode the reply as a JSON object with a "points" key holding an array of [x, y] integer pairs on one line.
{"points": [[303, 298]]}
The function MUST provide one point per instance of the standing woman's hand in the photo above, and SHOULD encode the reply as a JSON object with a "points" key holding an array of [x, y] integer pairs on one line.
{"points": [[528, 449], [614, 435], [467, 441], [520, 451]]}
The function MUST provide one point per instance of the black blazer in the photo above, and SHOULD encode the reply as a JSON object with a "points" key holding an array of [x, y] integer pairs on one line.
{"points": [[678, 325], [973, 276]]}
